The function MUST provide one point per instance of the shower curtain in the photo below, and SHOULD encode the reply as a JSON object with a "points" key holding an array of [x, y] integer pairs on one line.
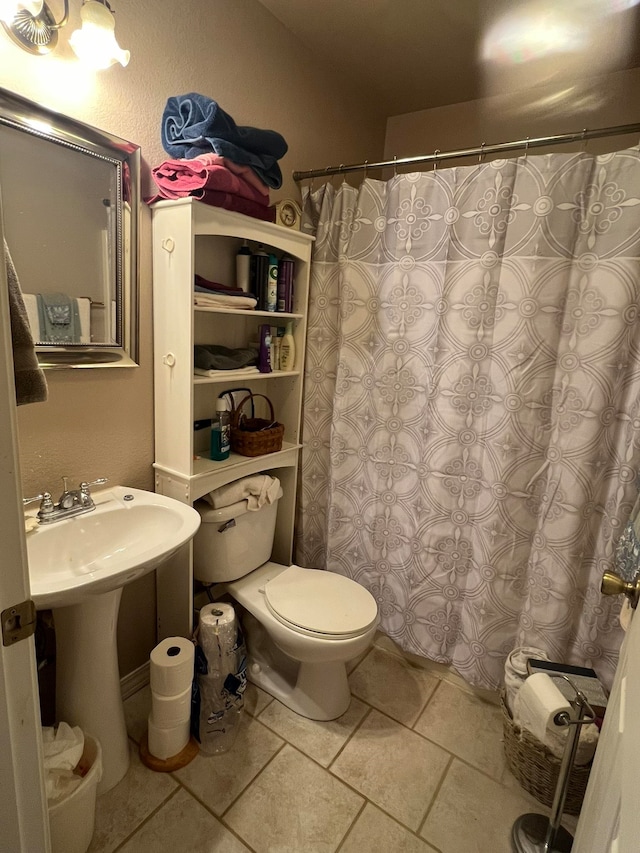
{"points": [[472, 407]]}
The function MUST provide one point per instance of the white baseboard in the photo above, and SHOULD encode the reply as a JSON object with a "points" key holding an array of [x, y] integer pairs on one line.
{"points": [[134, 681]]}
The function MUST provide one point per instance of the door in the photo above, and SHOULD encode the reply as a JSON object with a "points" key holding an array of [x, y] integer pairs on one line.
{"points": [[610, 817], [24, 826]]}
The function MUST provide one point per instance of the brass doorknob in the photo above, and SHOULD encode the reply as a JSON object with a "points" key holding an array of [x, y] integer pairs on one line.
{"points": [[613, 584]]}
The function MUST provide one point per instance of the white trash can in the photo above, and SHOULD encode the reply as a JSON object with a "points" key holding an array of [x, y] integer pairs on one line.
{"points": [[72, 818]]}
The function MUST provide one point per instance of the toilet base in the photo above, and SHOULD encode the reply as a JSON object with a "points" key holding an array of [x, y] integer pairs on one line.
{"points": [[318, 691]]}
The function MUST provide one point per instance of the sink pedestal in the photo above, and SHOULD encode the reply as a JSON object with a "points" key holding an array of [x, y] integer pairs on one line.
{"points": [[88, 681]]}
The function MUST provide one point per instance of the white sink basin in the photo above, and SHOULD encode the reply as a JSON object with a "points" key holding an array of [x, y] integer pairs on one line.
{"points": [[129, 533], [78, 567]]}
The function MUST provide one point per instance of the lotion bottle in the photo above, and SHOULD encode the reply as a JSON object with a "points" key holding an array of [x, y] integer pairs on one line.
{"points": [[288, 349]]}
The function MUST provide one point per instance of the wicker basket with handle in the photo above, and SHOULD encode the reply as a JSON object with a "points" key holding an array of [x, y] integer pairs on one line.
{"points": [[536, 768], [255, 436]]}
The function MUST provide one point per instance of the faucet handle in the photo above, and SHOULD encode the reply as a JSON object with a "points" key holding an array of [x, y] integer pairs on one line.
{"points": [[84, 487], [85, 494], [45, 507], [26, 501]]}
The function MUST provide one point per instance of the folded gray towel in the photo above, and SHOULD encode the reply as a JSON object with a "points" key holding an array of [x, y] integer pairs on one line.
{"points": [[213, 357], [31, 386], [59, 318]]}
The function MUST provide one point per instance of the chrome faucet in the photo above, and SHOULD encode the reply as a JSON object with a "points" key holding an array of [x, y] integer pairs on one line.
{"points": [[71, 502]]}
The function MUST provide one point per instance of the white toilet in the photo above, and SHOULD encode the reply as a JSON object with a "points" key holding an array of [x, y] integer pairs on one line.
{"points": [[301, 625]]}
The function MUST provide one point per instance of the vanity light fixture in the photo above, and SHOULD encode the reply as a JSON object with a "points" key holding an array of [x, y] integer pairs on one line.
{"points": [[95, 43], [31, 24]]}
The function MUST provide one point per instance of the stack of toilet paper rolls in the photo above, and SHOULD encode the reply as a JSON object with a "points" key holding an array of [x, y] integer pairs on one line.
{"points": [[171, 675]]}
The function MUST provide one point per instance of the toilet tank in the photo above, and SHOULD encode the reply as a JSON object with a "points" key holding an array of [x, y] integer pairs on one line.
{"points": [[232, 541]]}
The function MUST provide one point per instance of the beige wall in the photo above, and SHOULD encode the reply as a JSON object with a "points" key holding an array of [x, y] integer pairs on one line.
{"points": [[609, 101], [100, 422]]}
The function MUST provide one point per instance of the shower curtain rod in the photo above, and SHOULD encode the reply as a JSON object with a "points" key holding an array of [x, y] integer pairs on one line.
{"points": [[481, 151]]}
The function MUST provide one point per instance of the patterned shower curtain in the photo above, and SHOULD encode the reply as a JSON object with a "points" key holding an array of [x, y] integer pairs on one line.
{"points": [[472, 406]]}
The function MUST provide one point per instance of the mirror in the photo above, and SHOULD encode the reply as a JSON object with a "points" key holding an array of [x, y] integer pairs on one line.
{"points": [[71, 203]]}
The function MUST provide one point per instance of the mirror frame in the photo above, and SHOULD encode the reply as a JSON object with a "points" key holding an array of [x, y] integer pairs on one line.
{"points": [[26, 116]]}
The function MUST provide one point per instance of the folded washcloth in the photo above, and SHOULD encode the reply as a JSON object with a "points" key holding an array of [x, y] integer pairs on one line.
{"points": [[515, 670], [219, 290], [244, 370], [216, 286], [214, 357], [223, 300], [194, 124], [31, 386], [180, 178], [258, 490]]}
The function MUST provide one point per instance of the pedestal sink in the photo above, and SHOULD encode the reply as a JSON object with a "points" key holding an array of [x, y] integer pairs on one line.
{"points": [[77, 567]]}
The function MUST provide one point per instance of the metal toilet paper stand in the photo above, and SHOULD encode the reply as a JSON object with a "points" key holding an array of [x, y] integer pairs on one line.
{"points": [[535, 833]]}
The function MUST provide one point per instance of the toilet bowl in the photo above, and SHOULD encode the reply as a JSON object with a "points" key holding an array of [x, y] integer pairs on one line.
{"points": [[301, 625]]}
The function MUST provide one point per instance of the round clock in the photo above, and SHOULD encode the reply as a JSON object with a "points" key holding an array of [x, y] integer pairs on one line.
{"points": [[289, 213]]}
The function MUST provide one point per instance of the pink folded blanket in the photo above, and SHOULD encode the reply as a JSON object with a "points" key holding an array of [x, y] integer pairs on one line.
{"points": [[234, 202], [180, 178]]}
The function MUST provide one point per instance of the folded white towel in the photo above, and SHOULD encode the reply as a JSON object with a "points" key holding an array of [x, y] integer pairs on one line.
{"points": [[200, 371], [221, 300], [258, 490]]}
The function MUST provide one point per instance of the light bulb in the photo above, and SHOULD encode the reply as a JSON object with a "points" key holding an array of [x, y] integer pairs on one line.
{"points": [[95, 43]]}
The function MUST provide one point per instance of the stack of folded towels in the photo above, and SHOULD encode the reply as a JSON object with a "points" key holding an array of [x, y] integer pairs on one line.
{"points": [[212, 294], [216, 160]]}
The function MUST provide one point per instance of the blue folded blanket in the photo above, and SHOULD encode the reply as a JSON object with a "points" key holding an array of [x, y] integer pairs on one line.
{"points": [[193, 125]]}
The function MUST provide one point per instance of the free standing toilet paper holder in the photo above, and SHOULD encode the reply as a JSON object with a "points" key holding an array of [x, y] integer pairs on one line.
{"points": [[535, 833]]}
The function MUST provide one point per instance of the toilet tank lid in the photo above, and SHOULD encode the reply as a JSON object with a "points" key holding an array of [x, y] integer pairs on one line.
{"points": [[210, 515]]}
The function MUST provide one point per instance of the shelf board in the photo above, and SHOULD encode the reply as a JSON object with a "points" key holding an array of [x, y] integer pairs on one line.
{"points": [[209, 475], [235, 375], [248, 312]]}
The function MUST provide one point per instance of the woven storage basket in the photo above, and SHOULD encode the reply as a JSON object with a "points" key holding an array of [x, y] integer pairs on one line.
{"points": [[255, 436], [536, 768]]}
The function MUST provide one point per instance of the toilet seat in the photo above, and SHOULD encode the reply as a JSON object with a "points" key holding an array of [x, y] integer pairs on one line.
{"points": [[320, 604]]}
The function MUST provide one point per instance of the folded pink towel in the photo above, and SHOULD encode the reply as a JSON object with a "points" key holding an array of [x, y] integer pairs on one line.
{"points": [[180, 178]]}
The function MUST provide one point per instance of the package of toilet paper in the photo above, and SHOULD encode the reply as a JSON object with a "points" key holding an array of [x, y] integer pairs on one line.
{"points": [[221, 682]]}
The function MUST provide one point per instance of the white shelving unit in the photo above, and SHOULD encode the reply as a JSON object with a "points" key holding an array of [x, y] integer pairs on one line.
{"points": [[191, 238]]}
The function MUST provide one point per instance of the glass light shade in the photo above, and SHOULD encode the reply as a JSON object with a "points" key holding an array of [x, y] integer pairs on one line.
{"points": [[10, 8], [95, 42]]}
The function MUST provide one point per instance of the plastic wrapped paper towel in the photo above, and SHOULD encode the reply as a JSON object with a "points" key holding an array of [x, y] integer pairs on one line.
{"points": [[221, 666]]}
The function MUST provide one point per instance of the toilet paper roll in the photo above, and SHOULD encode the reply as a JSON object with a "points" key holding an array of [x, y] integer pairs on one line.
{"points": [[167, 711], [171, 670], [165, 743], [537, 703], [217, 635]]}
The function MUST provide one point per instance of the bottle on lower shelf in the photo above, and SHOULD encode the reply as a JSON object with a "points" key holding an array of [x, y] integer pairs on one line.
{"points": [[221, 432]]}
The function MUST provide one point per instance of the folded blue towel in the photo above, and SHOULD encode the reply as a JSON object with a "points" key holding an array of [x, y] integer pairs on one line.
{"points": [[194, 124]]}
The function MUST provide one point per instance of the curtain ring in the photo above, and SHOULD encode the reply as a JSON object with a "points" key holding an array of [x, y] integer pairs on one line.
{"points": [[366, 164], [481, 155], [435, 162], [395, 166], [526, 148], [583, 147]]}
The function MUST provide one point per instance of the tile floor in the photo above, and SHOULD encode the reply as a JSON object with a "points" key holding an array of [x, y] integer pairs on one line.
{"points": [[414, 766]]}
